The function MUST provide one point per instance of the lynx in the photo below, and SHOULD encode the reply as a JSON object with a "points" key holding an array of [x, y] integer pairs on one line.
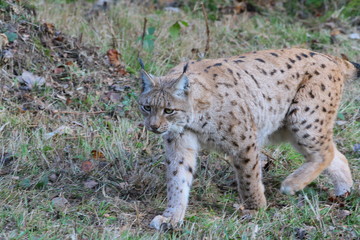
{"points": [[236, 105]]}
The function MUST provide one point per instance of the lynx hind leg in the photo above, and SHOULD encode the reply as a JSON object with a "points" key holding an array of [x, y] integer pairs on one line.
{"points": [[339, 173], [310, 121]]}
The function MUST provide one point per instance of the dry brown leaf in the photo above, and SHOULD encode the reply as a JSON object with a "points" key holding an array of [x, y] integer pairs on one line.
{"points": [[97, 155], [335, 32], [49, 28], [68, 101], [3, 41], [59, 70], [113, 56], [239, 7], [87, 166], [342, 214], [122, 71]]}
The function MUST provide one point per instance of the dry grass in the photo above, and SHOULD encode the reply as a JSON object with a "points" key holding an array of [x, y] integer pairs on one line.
{"points": [[129, 179]]}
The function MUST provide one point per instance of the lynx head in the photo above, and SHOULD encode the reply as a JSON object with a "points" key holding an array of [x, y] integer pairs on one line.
{"points": [[165, 102]]}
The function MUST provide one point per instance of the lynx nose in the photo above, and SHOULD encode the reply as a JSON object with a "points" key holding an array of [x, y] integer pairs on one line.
{"points": [[154, 126]]}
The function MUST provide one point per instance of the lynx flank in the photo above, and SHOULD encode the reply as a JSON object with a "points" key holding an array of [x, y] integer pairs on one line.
{"points": [[236, 105]]}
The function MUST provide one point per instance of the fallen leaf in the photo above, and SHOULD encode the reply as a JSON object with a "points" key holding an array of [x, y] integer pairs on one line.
{"points": [[97, 155], [68, 101], [113, 56], [49, 28], [123, 185], [30, 80], [11, 36], [335, 32], [239, 7], [59, 203], [342, 214], [87, 166], [59, 70], [122, 71], [59, 131], [3, 41], [90, 184], [26, 37], [339, 199], [25, 183]]}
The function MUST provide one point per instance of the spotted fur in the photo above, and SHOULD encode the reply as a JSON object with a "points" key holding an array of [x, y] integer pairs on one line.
{"points": [[236, 105]]}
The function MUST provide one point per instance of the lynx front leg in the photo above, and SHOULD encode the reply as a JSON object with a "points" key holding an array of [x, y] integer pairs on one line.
{"points": [[248, 173], [181, 153]]}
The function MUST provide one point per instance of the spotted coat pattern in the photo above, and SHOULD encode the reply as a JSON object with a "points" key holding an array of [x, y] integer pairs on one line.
{"points": [[236, 105]]}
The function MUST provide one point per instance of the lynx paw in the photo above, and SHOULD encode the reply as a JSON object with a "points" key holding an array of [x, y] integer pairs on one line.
{"points": [[161, 223], [289, 188]]}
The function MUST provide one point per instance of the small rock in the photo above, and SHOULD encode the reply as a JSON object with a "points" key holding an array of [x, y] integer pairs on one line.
{"points": [[341, 122], [59, 202], [356, 148], [90, 184], [173, 9], [53, 177], [354, 36]]}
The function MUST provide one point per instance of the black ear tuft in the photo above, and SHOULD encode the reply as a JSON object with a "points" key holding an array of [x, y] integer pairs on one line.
{"points": [[357, 66], [185, 67], [141, 63]]}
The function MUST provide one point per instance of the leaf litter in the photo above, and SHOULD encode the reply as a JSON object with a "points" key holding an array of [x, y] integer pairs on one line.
{"points": [[40, 55]]}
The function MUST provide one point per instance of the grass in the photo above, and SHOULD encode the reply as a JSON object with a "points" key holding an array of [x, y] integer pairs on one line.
{"points": [[129, 177]]}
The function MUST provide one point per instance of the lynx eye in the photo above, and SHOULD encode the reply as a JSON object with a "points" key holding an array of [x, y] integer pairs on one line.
{"points": [[146, 108], [168, 111]]}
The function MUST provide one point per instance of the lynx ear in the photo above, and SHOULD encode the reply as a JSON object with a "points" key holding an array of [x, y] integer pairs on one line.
{"points": [[181, 85], [147, 80]]}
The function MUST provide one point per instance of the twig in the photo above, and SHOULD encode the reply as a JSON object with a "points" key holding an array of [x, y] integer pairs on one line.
{"points": [[144, 33], [268, 155], [78, 113], [81, 136], [207, 46]]}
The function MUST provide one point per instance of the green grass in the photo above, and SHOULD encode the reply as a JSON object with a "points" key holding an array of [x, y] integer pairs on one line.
{"points": [[130, 179]]}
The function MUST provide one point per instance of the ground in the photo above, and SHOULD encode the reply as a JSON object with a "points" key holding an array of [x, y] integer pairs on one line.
{"points": [[75, 159]]}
